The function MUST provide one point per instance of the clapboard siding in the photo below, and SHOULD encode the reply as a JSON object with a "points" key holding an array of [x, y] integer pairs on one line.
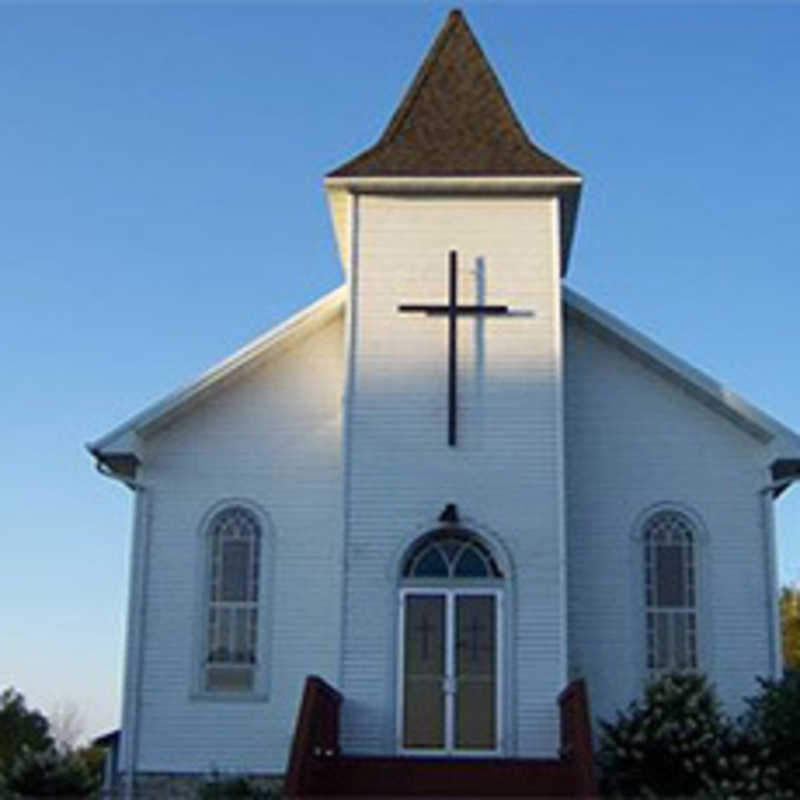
{"points": [[504, 475], [630, 438], [274, 438], [634, 440]]}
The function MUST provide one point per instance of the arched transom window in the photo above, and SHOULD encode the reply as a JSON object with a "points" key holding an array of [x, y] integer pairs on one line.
{"points": [[234, 542], [451, 554], [670, 574]]}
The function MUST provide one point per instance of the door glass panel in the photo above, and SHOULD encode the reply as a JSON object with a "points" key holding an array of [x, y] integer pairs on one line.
{"points": [[424, 668], [476, 679]]}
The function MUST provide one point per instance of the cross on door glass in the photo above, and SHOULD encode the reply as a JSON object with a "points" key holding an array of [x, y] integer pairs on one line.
{"points": [[470, 639], [424, 629]]}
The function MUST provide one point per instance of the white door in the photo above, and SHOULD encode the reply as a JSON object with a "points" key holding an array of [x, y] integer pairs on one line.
{"points": [[449, 682]]}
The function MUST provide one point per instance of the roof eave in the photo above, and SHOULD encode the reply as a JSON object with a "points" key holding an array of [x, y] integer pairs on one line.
{"points": [[785, 472], [456, 184], [304, 321], [783, 441], [566, 187]]}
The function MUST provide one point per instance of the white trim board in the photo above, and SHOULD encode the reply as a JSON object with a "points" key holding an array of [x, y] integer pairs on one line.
{"points": [[451, 593]]}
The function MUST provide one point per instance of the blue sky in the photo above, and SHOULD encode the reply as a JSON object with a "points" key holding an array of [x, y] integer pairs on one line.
{"points": [[162, 203]]}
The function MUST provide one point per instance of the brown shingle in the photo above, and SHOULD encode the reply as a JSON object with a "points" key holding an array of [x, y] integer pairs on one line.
{"points": [[455, 120]]}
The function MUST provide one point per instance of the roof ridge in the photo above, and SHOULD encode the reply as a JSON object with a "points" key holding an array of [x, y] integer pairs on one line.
{"points": [[421, 76], [504, 97]]}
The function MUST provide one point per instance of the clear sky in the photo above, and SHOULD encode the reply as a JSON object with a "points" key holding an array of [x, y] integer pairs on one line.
{"points": [[161, 203]]}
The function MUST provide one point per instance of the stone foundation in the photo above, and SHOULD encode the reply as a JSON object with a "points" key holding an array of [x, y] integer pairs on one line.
{"points": [[188, 786]]}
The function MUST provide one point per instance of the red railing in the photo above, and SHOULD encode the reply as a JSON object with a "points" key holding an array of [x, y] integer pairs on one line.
{"points": [[316, 767], [576, 738], [316, 738]]}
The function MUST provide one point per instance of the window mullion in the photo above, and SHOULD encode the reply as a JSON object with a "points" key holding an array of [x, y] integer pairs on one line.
{"points": [[670, 609], [232, 611]]}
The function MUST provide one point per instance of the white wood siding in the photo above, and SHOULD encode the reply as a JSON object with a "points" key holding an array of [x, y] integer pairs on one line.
{"points": [[633, 440], [274, 438], [504, 475]]}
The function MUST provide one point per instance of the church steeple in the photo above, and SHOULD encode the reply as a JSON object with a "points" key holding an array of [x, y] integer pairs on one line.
{"points": [[452, 231], [454, 132], [454, 120]]}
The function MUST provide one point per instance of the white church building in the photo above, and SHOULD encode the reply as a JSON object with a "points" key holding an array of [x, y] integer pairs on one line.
{"points": [[448, 488]]}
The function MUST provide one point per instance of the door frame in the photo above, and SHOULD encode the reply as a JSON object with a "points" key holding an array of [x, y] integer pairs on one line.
{"points": [[450, 592]]}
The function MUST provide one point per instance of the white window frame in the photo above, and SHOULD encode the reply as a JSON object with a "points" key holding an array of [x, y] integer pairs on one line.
{"points": [[450, 593], [691, 607], [262, 606]]}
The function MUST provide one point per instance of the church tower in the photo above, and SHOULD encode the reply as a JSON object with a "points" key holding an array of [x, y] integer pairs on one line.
{"points": [[454, 231]]}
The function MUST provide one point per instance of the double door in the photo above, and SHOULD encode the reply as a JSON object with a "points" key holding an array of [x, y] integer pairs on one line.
{"points": [[449, 683]]}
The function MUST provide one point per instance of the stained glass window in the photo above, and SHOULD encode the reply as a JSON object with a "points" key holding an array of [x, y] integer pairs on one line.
{"points": [[670, 588], [234, 540], [451, 554]]}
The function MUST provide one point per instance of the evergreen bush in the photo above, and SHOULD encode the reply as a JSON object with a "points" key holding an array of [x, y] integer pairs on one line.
{"points": [[235, 788], [50, 773], [5, 792], [679, 743], [773, 725]]}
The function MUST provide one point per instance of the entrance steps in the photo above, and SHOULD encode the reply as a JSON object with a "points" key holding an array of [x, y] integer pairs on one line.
{"points": [[317, 768]]}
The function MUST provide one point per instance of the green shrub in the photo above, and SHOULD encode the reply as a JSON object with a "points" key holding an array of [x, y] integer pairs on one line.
{"points": [[665, 746], [236, 788], [5, 792], [20, 727], [773, 724], [48, 773], [679, 743]]}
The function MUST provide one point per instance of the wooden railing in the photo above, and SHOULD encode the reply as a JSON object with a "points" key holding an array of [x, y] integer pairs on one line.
{"points": [[576, 738], [316, 738], [316, 767]]}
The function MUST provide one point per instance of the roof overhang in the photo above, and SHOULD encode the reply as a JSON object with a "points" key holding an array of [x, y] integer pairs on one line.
{"points": [[783, 442], [785, 471], [119, 451], [456, 184], [123, 464], [110, 739], [567, 188]]}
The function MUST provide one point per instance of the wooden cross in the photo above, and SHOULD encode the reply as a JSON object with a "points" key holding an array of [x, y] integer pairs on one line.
{"points": [[452, 310]]}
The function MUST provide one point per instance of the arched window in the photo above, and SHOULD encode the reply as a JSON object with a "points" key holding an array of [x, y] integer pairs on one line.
{"points": [[231, 654], [670, 577], [451, 554]]}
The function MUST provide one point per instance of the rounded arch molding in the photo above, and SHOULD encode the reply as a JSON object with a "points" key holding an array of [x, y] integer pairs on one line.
{"points": [[669, 506], [262, 515], [465, 526]]}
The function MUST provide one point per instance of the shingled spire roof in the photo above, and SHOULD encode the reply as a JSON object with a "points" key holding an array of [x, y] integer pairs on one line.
{"points": [[455, 120]]}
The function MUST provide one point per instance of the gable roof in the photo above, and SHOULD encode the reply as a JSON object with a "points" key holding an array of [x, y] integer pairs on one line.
{"points": [[112, 448], [122, 439], [454, 120], [701, 386]]}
